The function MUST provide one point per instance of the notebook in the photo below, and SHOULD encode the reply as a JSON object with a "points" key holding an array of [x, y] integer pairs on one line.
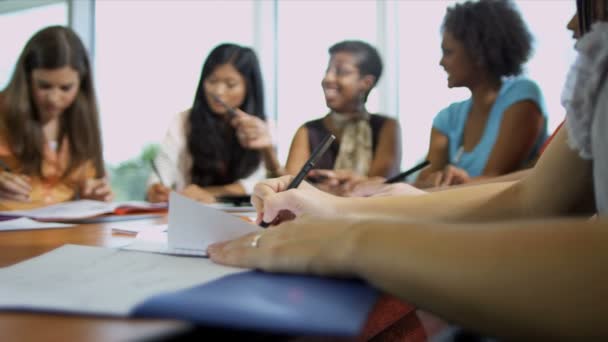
{"points": [[192, 227], [108, 282]]}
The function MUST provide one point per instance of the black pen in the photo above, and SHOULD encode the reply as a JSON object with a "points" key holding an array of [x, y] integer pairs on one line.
{"points": [[229, 109], [157, 173], [400, 177], [316, 154], [4, 166]]}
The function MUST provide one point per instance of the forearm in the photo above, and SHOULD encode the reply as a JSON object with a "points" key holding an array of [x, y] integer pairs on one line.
{"points": [[476, 203], [230, 189], [271, 162], [513, 280]]}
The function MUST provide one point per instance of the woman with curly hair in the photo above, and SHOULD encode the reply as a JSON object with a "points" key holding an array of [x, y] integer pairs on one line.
{"points": [[502, 126], [217, 147]]}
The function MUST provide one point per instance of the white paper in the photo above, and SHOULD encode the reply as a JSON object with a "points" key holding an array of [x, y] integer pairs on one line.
{"points": [[154, 240], [24, 223], [136, 227], [99, 280], [231, 208], [80, 209], [194, 226]]}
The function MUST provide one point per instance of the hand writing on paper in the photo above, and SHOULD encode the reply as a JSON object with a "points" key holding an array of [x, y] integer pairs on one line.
{"points": [[158, 193], [306, 245], [14, 187], [251, 131], [197, 193], [276, 204], [96, 189]]}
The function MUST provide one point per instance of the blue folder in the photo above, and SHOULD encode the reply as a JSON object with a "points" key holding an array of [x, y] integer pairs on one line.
{"points": [[278, 303]]}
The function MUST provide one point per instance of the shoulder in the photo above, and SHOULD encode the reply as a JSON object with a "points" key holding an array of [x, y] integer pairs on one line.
{"points": [[180, 123], [521, 88], [454, 110], [380, 121], [315, 122]]}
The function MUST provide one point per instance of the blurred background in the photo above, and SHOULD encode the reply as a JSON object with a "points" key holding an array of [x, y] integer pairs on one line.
{"points": [[148, 56]]}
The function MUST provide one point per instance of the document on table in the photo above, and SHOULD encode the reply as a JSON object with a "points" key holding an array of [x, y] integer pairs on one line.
{"points": [[192, 228], [75, 210], [24, 223], [134, 228], [97, 280]]}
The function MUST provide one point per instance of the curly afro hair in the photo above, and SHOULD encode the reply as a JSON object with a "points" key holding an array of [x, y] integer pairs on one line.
{"points": [[493, 33]]}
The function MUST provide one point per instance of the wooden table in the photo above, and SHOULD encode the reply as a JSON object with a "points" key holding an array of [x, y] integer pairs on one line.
{"points": [[391, 320], [16, 246]]}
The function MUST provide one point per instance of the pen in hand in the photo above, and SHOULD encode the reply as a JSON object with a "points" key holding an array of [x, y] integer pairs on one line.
{"points": [[229, 109], [400, 177], [14, 186], [316, 154]]}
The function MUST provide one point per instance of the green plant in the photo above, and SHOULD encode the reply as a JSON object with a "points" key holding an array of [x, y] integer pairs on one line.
{"points": [[128, 179]]}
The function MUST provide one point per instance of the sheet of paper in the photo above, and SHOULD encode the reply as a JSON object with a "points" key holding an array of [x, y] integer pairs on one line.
{"points": [[136, 227], [230, 208], [194, 226], [80, 209], [95, 280], [24, 223], [65, 210]]}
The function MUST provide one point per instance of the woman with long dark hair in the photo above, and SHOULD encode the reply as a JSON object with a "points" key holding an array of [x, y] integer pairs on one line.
{"points": [[50, 142], [217, 147]]}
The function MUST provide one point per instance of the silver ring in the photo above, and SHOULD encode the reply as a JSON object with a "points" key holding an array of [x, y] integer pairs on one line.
{"points": [[256, 240]]}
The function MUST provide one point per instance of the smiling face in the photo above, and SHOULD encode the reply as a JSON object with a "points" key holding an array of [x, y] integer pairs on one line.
{"points": [[343, 85], [456, 62], [54, 90], [226, 83]]}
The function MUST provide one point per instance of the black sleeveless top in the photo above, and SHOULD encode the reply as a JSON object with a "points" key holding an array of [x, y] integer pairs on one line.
{"points": [[317, 131]]}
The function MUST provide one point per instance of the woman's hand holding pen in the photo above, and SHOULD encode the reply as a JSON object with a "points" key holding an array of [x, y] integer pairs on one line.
{"points": [[337, 182], [97, 189], [252, 132], [197, 193], [158, 193], [274, 203], [14, 187], [308, 245], [450, 175]]}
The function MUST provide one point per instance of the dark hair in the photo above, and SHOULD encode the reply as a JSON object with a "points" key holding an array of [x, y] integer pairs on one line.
{"points": [[587, 11], [493, 33], [218, 158], [369, 60], [52, 48]]}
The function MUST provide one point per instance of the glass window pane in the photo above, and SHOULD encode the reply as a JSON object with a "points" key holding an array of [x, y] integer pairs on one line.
{"points": [[149, 56], [306, 29], [22, 24]]}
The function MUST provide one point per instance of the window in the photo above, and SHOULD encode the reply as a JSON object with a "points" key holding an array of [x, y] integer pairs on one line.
{"points": [[22, 19], [306, 30], [149, 56]]}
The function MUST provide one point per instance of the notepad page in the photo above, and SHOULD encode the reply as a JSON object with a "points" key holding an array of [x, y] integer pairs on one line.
{"points": [[95, 280], [24, 223], [194, 226]]}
